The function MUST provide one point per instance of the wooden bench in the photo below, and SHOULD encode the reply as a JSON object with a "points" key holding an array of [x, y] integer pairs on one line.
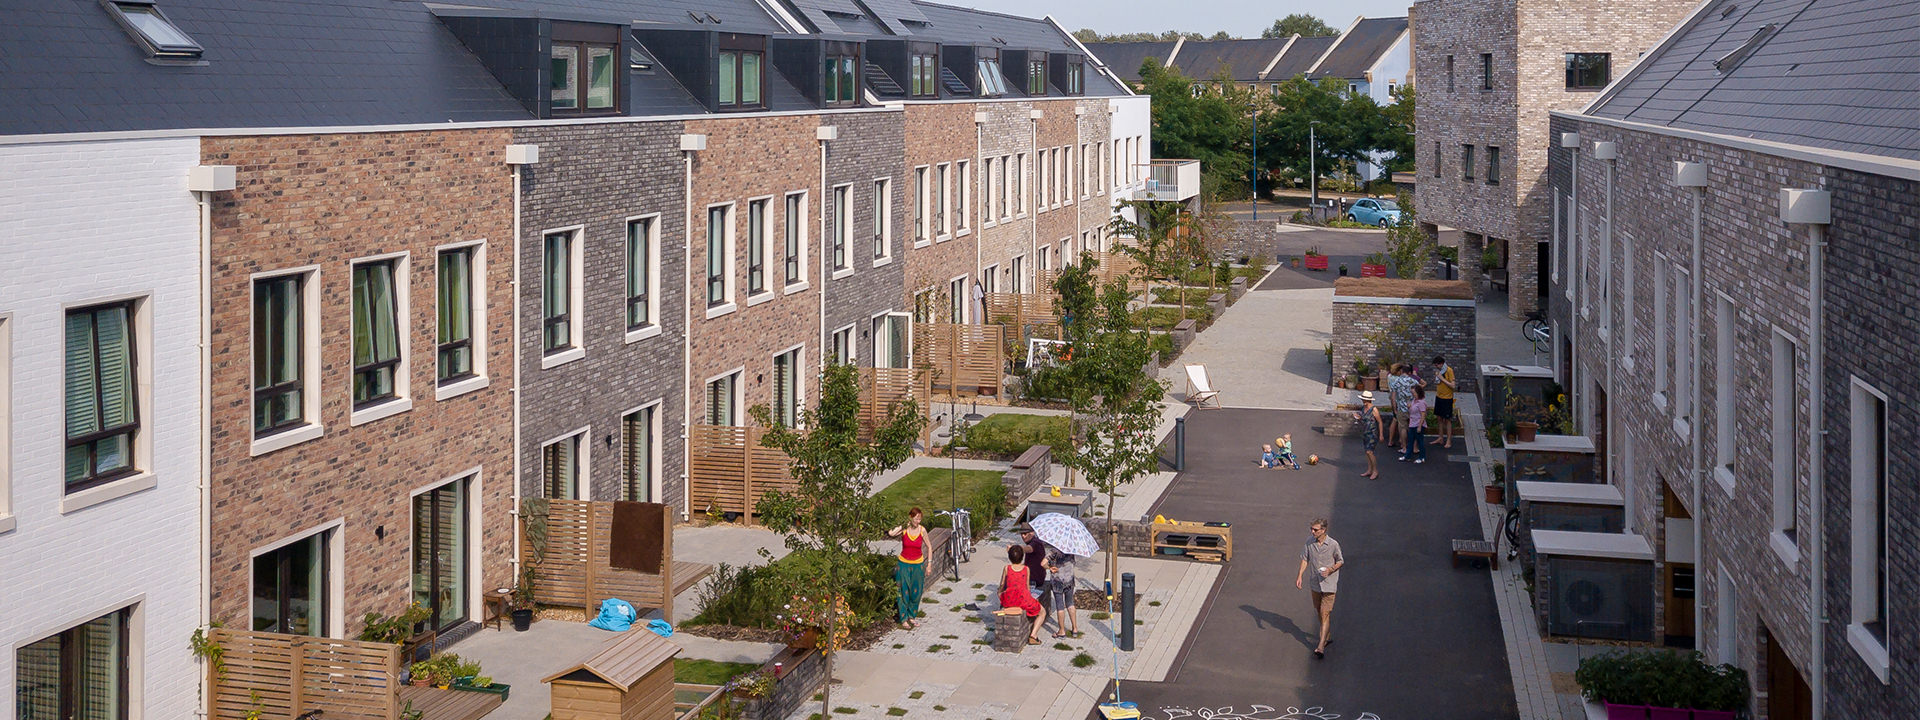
{"points": [[1498, 278], [1477, 550]]}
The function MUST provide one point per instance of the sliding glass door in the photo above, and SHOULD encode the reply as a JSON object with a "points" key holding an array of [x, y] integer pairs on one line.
{"points": [[440, 554]]}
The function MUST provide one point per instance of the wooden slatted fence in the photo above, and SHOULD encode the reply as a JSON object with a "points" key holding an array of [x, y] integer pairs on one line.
{"points": [[283, 676], [1023, 309], [883, 389], [729, 469], [964, 359], [1116, 265], [575, 570]]}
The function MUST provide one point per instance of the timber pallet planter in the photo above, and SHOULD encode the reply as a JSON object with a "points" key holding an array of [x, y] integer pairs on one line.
{"points": [[1316, 262]]}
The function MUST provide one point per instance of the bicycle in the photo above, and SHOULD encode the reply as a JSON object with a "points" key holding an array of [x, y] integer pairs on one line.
{"points": [[1537, 331], [962, 542]]}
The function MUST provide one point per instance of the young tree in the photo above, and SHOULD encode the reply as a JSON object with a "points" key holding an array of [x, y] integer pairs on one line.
{"points": [[1300, 24], [1164, 240], [831, 512], [1410, 247]]}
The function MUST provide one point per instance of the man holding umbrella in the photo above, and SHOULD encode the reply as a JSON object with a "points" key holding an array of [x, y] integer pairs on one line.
{"points": [[1068, 538]]}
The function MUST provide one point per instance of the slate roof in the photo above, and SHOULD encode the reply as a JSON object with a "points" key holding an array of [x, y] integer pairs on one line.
{"points": [[1124, 59], [746, 16], [1243, 59], [1360, 47], [1300, 57], [967, 26], [1838, 74]]}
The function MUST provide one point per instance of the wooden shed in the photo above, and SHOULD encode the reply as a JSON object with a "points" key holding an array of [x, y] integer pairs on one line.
{"points": [[630, 678]]}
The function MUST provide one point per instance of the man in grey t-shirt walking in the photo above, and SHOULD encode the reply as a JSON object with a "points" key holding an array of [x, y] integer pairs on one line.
{"points": [[1323, 556]]}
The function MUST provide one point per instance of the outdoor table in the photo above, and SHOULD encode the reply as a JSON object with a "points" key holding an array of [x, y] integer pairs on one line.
{"points": [[1072, 502]]}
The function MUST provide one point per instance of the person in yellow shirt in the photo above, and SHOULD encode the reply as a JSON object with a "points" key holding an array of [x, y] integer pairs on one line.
{"points": [[1443, 387]]}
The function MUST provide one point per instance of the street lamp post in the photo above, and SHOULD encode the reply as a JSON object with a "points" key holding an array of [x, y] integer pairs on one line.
{"points": [[1313, 170], [1254, 106]]}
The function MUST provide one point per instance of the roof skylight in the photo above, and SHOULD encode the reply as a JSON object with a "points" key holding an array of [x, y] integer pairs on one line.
{"points": [[161, 37]]}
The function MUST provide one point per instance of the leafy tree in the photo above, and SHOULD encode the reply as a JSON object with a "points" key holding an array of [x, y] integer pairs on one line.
{"points": [[1221, 35], [1397, 133], [1300, 24], [1164, 239], [831, 512], [1410, 247], [1089, 35], [1208, 121]]}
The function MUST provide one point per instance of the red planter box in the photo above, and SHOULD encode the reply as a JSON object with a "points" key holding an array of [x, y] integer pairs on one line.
{"points": [[1371, 270], [1316, 262], [1617, 711]]}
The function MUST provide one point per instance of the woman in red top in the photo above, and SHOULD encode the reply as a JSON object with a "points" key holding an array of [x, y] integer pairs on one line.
{"points": [[1014, 592], [911, 568]]}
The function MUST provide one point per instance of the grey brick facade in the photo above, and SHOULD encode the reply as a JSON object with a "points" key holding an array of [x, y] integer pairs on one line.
{"points": [[872, 147], [601, 176], [1461, 107]]}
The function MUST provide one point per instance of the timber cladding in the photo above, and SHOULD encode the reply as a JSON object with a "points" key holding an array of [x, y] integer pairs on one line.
{"points": [[317, 202]]}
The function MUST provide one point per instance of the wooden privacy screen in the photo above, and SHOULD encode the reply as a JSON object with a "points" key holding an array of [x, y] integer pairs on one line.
{"points": [[575, 569], [1115, 265], [284, 676], [1023, 309], [728, 469], [883, 389], [964, 359]]}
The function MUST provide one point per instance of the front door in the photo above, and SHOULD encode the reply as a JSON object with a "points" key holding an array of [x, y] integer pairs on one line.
{"points": [[290, 587], [1788, 697], [440, 554], [1677, 578]]}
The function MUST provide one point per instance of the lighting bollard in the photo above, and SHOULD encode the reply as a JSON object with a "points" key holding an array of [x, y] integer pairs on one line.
{"points": [[1126, 612], [1180, 444]]}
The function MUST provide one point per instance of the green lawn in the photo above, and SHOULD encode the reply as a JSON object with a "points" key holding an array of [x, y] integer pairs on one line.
{"points": [[1163, 344], [1195, 296], [708, 672], [1164, 318], [932, 489], [1013, 433]]}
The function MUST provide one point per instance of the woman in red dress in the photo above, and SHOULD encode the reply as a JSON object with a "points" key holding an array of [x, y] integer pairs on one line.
{"points": [[1014, 592]]}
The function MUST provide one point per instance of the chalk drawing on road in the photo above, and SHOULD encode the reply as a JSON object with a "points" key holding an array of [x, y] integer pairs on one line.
{"points": [[1255, 712]]}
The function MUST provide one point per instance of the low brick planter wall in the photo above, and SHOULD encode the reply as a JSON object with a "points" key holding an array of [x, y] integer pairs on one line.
{"points": [[1217, 302], [1010, 631], [1135, 538], [1236, 289], [1437, 317], [1183, 333], [1032, 468], [803, 672]]}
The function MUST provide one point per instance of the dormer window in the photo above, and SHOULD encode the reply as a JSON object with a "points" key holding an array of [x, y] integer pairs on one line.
{"points": [[842, 80], [742, 68], [991, 82], [581, 77], [921, 70], [1077, 78], [1036, 77], [162, 39]]}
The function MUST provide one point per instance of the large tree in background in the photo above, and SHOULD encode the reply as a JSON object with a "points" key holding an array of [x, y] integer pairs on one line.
{"points": [[1210, 122], [1300, 24], [1349, 127]]}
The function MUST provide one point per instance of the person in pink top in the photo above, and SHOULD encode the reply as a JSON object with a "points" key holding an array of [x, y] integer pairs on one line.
{"points": [[1416, 429]]}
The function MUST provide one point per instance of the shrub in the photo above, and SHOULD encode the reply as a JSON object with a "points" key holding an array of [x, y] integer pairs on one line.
{"points": [[1013, 433], [753, 596], [1662, 679]]}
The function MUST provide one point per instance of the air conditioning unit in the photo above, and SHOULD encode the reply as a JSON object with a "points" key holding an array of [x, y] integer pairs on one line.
{"points": [[1594, 585], [1566, 507]]}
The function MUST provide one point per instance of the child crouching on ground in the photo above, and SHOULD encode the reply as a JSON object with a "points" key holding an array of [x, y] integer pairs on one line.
{"points": [[1268, 458], [1285, 442]]}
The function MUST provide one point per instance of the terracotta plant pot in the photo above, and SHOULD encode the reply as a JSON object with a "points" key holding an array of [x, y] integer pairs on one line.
{"points": [[1526, 430], [808, 639], [1370, 382], [1296, 262], [1496, 495]]}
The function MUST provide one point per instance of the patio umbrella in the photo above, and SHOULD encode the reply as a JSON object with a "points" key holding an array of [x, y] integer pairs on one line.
{"points": [[1064, 533]]}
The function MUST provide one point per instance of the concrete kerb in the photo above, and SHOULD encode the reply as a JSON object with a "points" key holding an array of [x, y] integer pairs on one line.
{"points": [[1332, 229]]}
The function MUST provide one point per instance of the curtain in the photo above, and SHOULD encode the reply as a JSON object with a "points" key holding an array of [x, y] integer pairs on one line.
{"points": [[637, 446], [456, 314], [375, 331], [99, 390], [557, 297]]}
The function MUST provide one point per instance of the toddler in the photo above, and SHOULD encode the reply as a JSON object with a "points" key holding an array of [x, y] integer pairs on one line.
{"points": [[1268, 458], [1285, 442]]}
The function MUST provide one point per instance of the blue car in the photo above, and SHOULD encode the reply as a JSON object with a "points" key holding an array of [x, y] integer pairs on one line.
{"points": [[1384, 213]]}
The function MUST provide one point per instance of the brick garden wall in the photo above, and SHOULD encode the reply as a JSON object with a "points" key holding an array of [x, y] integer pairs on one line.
{"points": [[321, 201], [1436, 330], [600, 176]]}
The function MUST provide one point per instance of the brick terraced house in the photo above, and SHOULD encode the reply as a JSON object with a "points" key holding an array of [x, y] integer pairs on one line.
{"points": [[1733, 280], [1488, 74], [353, 278]]}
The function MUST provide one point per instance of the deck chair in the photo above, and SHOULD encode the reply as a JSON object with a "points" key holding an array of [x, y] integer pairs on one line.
{"points": [[1200, 392]]}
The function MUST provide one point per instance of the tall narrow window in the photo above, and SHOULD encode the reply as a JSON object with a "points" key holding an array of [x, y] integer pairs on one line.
{"points": [[290, 587], [1466, 163], [786, 388], [1076, 78], [1036, 77], [643, 270], [556, 298], [639, 432], [1683, 359], [82, 672], [1868, 514], [1486, 71], [719, 255], [103, 413], [796, 235], [942, 199], [1449, 73], [1436, 158], [440, 554], [1627, 297], [882, 219], [376, 333], [1723, 382], [1493, 165], [721, 400], [560, 467], [756, 247], [920, 233], [1017, 273], [1786, 455], [453, 355], [843, 351], [841, 225], [892, 340], [1002, 177], [957, 300], [1662, 325], [1018, 178], [963, 205], [279, 353], [1727, 610]]}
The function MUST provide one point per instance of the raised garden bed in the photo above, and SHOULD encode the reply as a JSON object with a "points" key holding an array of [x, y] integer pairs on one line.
{"points": [[1004, 436], [1161, 317], [930, 488]]}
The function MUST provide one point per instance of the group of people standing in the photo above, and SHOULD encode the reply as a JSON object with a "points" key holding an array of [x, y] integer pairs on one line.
{"points": [[1034, 570], [1407, 433]]}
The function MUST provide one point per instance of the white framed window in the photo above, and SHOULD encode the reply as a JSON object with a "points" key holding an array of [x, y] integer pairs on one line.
{"points": [[1725, 323], [1041, 189], [640, 453], [286, 359], [561, 296], [7, 521], [1067, 176], [788, 395], [564, 466], [759, 247], [840, 228], [296, 584], [1088, 175], [923, 309], [1559, 244], [1786, 456], [1683, 360], [382, 350], [720, 247], [882, 221], [957, 300], [107, 419], [1628, 300], [1726, 620], [963, 207], [1869, 553], [643, 277], [892, 335], [943, 201], [844, 351], [1017, 274], [85, 671], [922, 220], [987, 215], [1003, 179], [795, 255], [1099, 177], [1662, 330], [724, 398], [990, 280], [1018, 179], [460, 319], [1571, 254]]}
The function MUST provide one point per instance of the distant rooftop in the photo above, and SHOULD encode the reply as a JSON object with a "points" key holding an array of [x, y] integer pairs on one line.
{"points": [[1360, 47]]}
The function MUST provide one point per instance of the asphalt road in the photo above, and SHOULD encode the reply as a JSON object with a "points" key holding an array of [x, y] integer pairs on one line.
{"points": [[1415, 639]]}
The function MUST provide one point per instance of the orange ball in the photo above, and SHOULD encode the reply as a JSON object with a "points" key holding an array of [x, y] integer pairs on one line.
{"points": [[1313, 459]]}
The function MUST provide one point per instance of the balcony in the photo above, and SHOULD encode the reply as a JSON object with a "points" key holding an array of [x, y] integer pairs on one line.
{"points": [[1170, 180]]}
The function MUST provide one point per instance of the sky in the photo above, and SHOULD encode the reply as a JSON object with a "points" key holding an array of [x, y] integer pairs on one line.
{"points": [[1242, 18]]}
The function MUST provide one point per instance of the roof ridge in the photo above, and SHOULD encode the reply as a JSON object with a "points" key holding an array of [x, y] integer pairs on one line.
{"points": [[978, 11]]}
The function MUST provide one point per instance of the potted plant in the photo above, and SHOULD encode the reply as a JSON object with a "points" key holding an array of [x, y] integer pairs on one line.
{"points": [[481, 684], [523, 601], [1364, 371], [1296, 261], [1374, 265], [394, 630], [1525, 415], [806, 615], [1662, 684], [1497, 491], [1316, 260], [1343, 269], [756, 684]]}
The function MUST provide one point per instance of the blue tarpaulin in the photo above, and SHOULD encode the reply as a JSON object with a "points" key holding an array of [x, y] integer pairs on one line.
{"points": [[615, 614]]}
